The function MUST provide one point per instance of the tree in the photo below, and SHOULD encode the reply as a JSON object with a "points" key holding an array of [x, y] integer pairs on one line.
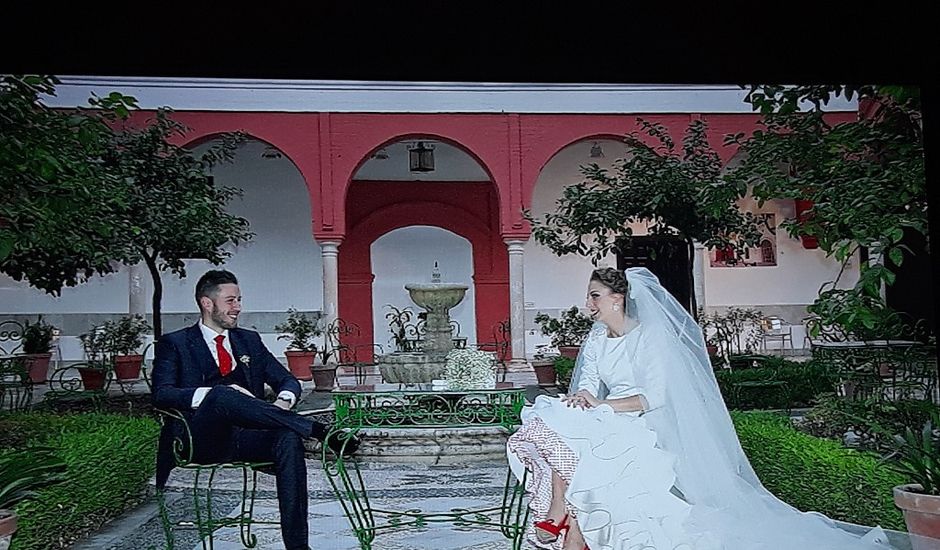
{"points": [[679, 192], [864, 177], [173, 208], [84, 192], [56, 197]]}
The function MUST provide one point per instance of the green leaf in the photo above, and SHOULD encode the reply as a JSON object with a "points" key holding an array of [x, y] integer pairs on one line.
{"points": [[896, 256]]}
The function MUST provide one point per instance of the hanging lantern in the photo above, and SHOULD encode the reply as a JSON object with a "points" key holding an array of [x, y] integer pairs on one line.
{"points": [[421, 158]]}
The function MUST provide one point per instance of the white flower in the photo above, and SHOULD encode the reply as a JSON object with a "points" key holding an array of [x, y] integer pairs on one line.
{"points": [[245, 359], [469, 369]]}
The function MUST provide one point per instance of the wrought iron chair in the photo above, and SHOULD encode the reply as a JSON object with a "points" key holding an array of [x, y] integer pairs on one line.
{"points": [[775, 328], [16, 388], [205, 523], [501, 345]]}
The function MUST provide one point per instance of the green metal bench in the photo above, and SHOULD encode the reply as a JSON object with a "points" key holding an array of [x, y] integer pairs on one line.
{"points": [[207, 521], [422, 409]]}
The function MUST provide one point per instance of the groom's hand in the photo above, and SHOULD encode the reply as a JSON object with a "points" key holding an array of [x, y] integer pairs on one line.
{"points": [[241, 389]]}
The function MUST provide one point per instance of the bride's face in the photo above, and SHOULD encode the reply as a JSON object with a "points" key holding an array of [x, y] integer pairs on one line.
{"points": [[603, 304]]}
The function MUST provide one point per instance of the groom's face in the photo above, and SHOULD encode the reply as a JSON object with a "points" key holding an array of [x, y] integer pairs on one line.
{"points": [[226, 304]]}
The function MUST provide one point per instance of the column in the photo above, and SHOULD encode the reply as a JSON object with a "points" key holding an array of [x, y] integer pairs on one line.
{"points": [[137, 290], [330, 253], [517, 301], [698, 274]]}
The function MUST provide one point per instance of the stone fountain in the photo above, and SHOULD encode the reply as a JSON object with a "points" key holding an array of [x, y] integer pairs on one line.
{"points": [[427, 364]]}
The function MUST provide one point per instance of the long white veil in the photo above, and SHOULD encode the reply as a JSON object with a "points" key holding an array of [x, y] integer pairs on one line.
{"points": [[693, 423]]}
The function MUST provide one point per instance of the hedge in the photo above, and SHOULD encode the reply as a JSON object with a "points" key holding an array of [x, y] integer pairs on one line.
{"points": [[109, 459], [810, 473]]}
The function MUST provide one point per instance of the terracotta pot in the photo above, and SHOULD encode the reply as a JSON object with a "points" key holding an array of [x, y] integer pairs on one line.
{"points": [[544, 372], [127, 367], [921, 513], [569, 351], [712, 350], [801, 206], [38, 365], [7, 527], [323, 377], [92, 379], [299, 363]]}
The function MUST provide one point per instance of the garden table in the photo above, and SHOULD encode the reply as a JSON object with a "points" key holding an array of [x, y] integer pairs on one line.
{"points": [[422, 407]]}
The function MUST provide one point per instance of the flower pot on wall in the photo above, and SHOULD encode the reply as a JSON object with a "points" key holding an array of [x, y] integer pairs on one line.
{"points": [[299, 363], [324, 377], [38, 365], [127, 367], [569, 351], [921, 514], [801, 206]]}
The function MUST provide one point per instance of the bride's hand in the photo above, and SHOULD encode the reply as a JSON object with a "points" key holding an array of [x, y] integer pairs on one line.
{"points": [[583, 399]]}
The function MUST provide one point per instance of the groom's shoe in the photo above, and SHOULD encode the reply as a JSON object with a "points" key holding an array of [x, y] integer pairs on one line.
{"points": [[343, 442]]}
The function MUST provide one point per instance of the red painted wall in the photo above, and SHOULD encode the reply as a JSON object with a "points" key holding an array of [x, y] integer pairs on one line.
{"points": [[467, 209]]}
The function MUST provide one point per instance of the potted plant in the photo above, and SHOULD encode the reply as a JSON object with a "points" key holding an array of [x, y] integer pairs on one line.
{"points": [[21, 473], [95, 370], [300, 330], [543, 363], [918, 457], [37, 348], [568, 332], [735, 334], [564, 368], [123, 339]]}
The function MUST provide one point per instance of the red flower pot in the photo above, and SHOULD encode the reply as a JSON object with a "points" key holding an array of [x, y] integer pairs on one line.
{"points": [[299, 363], [127, 367]]}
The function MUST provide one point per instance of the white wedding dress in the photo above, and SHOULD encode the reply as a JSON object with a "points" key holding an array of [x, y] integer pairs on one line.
{"points": [[618, 460], [672, 478]]}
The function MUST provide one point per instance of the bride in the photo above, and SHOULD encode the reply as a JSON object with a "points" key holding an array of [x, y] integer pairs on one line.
{"points": [[643, 454]]}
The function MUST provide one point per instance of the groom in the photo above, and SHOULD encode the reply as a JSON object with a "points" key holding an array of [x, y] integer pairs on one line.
{"points": [[214, 373]]}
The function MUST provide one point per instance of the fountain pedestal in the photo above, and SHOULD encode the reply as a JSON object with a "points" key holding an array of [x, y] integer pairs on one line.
{"points": [[437, 299]]}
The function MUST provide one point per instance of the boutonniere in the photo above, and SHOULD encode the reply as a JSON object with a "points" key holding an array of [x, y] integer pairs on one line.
{"points": [[245, 360]]}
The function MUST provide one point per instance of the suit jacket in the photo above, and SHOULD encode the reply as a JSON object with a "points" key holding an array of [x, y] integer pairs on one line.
{"points": [[182, 362]]}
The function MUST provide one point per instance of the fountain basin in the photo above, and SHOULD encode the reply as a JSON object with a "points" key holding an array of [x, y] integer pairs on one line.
{"points": [[411, 368]]}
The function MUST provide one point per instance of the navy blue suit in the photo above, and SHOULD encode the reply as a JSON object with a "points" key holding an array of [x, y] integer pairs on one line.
{"points": [[230, 426]]}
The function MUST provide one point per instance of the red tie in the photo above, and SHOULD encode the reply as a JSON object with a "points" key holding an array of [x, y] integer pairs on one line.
{"points": [[225, 360]]}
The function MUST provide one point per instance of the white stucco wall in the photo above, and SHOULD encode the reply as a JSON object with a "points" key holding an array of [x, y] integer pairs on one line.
{"points": [[407, 255], [280, 268], [795, 280], [551, 281]]}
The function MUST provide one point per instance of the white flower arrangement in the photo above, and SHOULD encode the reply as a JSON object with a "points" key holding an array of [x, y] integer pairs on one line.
{"points": [[469, 369]]}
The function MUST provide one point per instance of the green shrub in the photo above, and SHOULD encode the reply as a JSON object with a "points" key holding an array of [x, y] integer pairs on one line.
{"points": [[564, 368], [818, 474], [109, 459], [804, 381]]}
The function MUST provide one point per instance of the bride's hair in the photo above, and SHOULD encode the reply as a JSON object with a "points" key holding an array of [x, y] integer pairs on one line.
{"points": [[613, 279]]}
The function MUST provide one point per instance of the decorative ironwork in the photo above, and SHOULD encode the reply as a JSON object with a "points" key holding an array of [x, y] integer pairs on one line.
{"points": [[887, 369], [11, 338], [16, 389], [421, 409], [66, 383], [501, 345]]}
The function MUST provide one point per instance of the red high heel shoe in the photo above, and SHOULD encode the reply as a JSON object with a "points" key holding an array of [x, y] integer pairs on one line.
{"points": [[547, 531]]}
